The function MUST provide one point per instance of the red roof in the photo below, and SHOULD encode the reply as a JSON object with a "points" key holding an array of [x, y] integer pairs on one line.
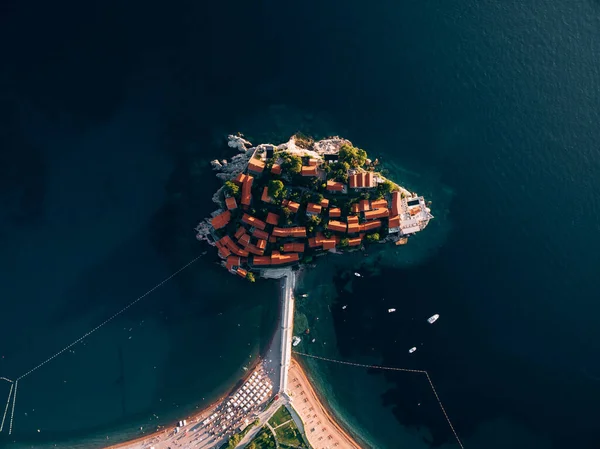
{"points": [[313, 162], [278, 259], [261, 244], [352, 181], [221, 220], [242, 272], [364, 205], [309, 171], [244, 239], [394, 222], [233, 247], [335, 212], [369, 181], [260, 234], [261, 260], [294, 247], [379, 204], [231, 203], [352, 219], [355, 208], [354, 242], [276, 169], [333, 186], [246, 190], [369, 226], [249, 219], [361, 179], [334, 225], [298, 231], [395, 203], [293, 206], [256, 165], [241, 231], [224, 252], [265, 195], [272, 218], [233, 261], [324, 202], [313, 208], [240, 178], [329, 244], [377, 213]]}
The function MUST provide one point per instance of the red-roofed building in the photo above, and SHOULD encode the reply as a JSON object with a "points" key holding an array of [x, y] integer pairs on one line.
{"points": [[352, 181], [261, 244], [335, 212], [313, 162], [377, 213], [256, 165], [240, 178], [261, 260], [369, 180], [244, 239], [272, 218], [355, 241], [333, 186], [272, 239], [329, 244], [353, 225], [324, 203], [276, 169], [224, 252], [338, 226], [364, 205], [247, 191], [313, 209], [394, 222], [249, 219], [395, 203], [233, 261], [240, 232], [221, 220], [279, 259], [298, 231], [243, 273], [231, 203], [260, 234], [362, 180], [371, 225], [265, 195], [355, 208], [379, 204], [294, 247], [293, 206], [309, 171]]}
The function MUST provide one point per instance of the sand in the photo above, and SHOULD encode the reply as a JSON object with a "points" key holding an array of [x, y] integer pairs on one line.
{"points": [[321, 429]]}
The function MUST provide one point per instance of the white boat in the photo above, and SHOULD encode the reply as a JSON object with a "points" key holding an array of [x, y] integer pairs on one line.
{"points": [[296, 341], [305, 295], [357, 275], [432, 319], [314, 339], [413, 349], [344, 307], [391, 310]]}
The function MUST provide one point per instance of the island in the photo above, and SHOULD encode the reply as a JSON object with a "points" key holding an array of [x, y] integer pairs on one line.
{"points": [[281, 207], [285, 205]]}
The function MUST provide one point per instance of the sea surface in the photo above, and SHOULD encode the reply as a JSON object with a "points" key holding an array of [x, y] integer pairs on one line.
{"points": [[110, 113]]}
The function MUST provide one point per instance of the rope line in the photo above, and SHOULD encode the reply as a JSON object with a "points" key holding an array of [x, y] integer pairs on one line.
{"points": [[6, 408], [106, 321], [8, 380], [12, 413], [418, 371]]}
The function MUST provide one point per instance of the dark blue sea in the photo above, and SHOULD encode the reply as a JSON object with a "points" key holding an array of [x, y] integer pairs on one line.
{"points": [[109, 115]]}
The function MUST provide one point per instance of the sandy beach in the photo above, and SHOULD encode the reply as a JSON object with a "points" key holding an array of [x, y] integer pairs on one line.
{"points": [[322, 431]]}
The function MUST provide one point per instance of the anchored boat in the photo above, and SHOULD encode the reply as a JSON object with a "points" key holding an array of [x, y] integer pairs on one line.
{"points": [[432, 319]]}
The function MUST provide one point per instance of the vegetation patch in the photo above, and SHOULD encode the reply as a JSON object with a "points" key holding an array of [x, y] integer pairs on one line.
{"points": [[288, 435], [282, 415], [263, 440]]}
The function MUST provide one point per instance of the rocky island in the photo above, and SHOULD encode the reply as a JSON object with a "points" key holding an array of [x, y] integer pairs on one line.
{"points": [[285, 205]]}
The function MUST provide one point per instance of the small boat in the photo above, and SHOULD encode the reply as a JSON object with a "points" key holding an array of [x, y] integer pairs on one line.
{"points": [[296, 341], [313, 340], [357, 275], [305, 295], [413, 349], [391, 310], [432, 319], [344, 307]]}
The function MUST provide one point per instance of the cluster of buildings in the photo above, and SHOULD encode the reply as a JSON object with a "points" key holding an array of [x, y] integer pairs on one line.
{"points": [[247, 242]]}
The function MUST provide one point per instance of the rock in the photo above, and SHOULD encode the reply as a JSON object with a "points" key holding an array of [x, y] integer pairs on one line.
{"points": [[238, 142], [216, 165], [224, 162]]}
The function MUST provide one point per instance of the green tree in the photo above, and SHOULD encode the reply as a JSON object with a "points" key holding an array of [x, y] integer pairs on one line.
{"points": [[251, 278], [387, 187], [286, 212], [276, 188], [344, 242], [292, 163], [353, 156], [232, 188], [373, 237], [314, 220]]}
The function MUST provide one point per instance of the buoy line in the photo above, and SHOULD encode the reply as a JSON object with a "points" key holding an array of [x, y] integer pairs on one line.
{"points": [[87, 334], [6, 408], [393, 369], [12, 413], [8, 380]]}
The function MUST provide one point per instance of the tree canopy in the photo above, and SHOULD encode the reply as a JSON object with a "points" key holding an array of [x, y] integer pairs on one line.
{"points": [[387, 187], [373, 237], [291, 163], [355, 157], [250, 277], [276, 188], [232, 188]]}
